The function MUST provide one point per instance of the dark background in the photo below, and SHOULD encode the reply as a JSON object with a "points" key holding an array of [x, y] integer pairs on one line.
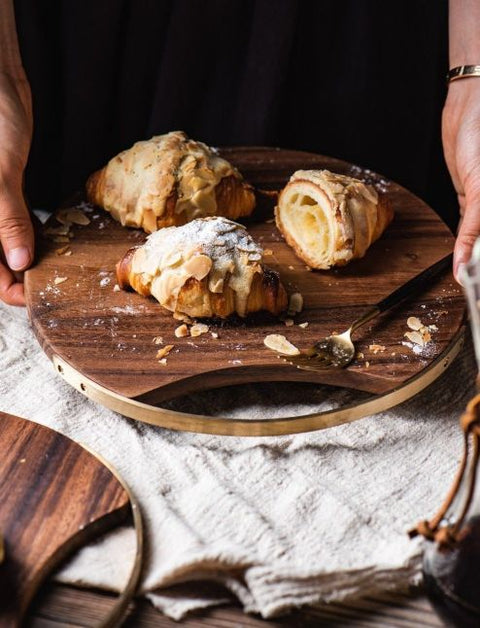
{"points": [[361, 80]]}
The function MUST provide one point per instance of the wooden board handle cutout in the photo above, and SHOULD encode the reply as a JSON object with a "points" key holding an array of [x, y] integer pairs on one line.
{"points": [[170, 419], [55, 496]]}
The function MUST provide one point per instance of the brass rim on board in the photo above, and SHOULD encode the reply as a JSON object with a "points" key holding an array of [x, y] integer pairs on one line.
{"points": [[187, 422]]}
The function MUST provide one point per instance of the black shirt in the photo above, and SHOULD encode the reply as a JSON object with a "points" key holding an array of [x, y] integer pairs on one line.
{"points": [[361, 80]]}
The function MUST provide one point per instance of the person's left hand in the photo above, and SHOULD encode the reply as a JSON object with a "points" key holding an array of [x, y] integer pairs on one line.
{"points": [[461, 145]]}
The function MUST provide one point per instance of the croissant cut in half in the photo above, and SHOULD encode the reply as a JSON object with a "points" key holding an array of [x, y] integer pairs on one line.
{"points": [[209, 267], [169, 180], [330, 219]]}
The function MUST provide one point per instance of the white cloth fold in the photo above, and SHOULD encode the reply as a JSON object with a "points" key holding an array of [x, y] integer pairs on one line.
{"points": [[279, 521]]}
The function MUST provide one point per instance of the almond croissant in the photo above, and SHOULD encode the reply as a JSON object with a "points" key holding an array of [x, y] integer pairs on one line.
{"points": [[209, 267], [169, 180], [330, 219]]}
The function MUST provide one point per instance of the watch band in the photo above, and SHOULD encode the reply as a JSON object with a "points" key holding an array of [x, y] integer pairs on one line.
{"points": [[463, 71]]}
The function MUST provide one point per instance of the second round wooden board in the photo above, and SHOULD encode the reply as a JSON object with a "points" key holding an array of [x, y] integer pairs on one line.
{"points": [[108, 335]]}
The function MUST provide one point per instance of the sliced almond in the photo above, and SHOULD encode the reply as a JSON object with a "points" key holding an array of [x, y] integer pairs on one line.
{"points": [[415, 337], [59, 280], [62, 250], [164, 351], [414, 323], [198, 329], [72, 215], [181, 331], [57, 231], [280, 344], [198, 266]]}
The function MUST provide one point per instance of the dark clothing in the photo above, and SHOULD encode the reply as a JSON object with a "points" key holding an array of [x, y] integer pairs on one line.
{"points": [[361, 80]]}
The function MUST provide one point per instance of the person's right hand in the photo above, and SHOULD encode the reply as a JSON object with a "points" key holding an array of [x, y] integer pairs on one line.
{"points": [[16, 231]]}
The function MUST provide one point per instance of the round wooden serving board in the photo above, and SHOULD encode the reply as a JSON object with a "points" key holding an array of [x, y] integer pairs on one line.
{"points": [[54, 498], [108, 335]]}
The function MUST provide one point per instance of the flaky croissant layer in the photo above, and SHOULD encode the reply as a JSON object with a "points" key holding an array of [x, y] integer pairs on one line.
{"points": [[169, 180], [330, 219], [209, 267]]}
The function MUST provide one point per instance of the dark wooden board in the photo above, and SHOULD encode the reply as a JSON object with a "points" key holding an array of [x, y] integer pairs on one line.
{"points": [[107, 335], [54, 497]]}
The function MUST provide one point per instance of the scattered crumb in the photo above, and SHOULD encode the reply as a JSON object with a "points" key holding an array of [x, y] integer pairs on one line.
{"points": [[291, 268], [116, 288], [377, 348], [22, 460], [295, 304], [104, 282], [268, 252], [68, 253], [308, 268], [280, 344], [59, 280], [393, 353], [61, 239], [360, 356], [181, 331], [158, 340], [163, 361], [367, 364], [164, 351], [303, 325], [288, 322], [198, 329], [214, 334]]}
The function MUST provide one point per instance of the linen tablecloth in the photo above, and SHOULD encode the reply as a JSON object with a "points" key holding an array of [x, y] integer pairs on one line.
{"points": [[280, 521]]}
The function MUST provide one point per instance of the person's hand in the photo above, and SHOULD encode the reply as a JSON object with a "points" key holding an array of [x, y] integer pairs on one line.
{"points": [[16, 231], [461, 145]]}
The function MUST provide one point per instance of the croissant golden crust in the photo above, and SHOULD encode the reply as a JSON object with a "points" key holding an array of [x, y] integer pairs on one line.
{"points": [[210, 267], [330, 219], [169, 180]]}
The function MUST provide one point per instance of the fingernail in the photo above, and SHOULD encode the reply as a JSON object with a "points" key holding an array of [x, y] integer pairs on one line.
{"points": [[459, 271], [18, 258]]}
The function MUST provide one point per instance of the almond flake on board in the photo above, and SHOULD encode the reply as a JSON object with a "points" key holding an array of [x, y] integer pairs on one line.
{"points": [[414, 323], [181, 331], [63, 250], [59, 280], [198, 329], [280, 344], [164, 351], [416, 337]]}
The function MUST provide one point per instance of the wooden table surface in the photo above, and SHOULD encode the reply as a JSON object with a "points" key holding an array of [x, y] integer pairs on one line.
{"points": [[60, 606]]}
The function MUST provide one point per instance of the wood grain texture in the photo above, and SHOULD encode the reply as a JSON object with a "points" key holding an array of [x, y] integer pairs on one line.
{"points": [[54, 497], [108, 335], [62, 607]]}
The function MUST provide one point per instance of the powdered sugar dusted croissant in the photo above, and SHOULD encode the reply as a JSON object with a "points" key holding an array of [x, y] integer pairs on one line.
{"points": [[169, 180], [209, 267], [330, 219]]}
